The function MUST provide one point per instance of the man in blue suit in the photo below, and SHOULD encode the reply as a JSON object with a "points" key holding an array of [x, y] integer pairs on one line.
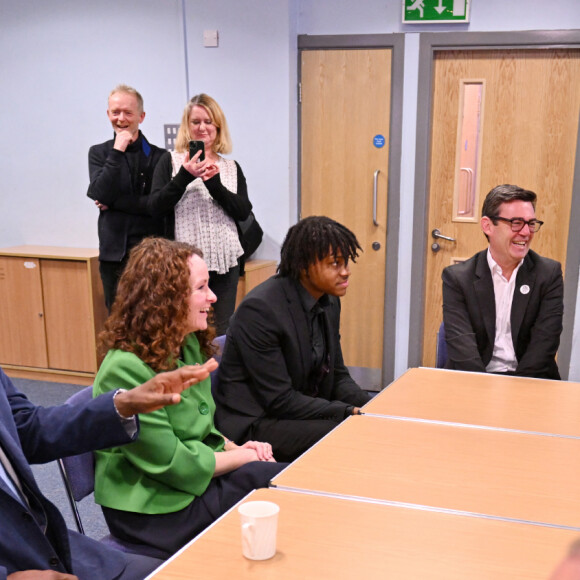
{"points": [[34, 540]]}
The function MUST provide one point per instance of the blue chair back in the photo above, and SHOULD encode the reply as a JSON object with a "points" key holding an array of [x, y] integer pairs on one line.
{"points": [[441, 348], [220, 342], [78, 471]]}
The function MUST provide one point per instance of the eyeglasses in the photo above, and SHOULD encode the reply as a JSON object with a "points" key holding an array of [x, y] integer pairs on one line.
{"points": [[518, 224]]}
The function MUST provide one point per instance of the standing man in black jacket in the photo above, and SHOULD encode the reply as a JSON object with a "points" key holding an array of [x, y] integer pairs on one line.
{"points": [[121, 171]]}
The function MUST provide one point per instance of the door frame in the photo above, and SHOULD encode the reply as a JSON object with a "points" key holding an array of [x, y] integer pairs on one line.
{"points": [[395, 42], [430, 43]]}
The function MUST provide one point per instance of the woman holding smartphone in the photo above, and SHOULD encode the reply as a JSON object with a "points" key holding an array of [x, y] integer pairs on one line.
{"points": [[207, 193]]}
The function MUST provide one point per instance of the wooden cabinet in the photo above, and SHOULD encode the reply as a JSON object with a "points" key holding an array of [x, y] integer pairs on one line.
{"points": [[256, 272], [51, 310]]}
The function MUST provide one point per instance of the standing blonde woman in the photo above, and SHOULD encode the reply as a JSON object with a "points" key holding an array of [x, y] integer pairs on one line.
{"points": [[207, 196]]}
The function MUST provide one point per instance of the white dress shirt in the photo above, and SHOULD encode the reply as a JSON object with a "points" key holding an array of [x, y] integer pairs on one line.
{"points": [[503, 358], [8, 475]]}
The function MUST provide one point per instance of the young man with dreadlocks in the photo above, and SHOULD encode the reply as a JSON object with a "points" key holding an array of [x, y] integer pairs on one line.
{"points": [[282, 376]]}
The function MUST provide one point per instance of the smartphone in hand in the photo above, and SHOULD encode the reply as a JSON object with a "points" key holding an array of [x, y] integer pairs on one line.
{"points": [[194, 147]]}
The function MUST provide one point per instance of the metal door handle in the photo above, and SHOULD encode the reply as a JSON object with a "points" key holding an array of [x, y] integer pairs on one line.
{"points": [[375, 186], [437, 234]]}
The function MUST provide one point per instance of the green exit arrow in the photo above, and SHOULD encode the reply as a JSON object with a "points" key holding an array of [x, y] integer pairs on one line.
{"points": [[435, 11]]}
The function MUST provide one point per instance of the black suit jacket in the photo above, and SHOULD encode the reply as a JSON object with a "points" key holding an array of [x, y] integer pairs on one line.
{"points": [[267, 361], [127, 220], [34, 434], [536, 316]]}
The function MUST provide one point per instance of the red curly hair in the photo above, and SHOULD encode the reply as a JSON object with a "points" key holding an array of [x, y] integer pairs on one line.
{"points": [[150, 314]]}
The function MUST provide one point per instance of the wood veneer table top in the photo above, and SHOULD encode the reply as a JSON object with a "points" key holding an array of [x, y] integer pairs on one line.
{"points": [[500, 473], [483, 399], [332, 538]]}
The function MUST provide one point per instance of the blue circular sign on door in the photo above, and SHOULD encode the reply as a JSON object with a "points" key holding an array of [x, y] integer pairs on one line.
{"points": [[379, 141]]}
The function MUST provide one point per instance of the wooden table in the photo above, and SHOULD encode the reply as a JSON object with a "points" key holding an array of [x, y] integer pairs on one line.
{"points": [[501, 473], [332, 538], [497, 401], [448, 475]]}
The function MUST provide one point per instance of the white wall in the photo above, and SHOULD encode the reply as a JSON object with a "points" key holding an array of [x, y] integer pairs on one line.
{"points": [[253, 76], [384, 16], [60, 58]]}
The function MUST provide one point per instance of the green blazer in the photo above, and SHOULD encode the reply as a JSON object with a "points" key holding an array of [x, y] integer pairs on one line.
{"points": [[172, 462]]}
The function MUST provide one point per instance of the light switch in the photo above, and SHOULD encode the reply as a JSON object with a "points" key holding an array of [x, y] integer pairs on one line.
{"points": [[210, 38]]}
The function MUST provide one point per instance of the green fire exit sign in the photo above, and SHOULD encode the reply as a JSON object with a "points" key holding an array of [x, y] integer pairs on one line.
{"points": [[435, 11]]}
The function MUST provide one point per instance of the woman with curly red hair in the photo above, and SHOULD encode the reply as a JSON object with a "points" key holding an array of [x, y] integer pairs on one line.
{"points": [[181, 473]]}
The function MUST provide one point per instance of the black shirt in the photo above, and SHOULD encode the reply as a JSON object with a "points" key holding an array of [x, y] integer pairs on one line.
{"points": [[315, 312]]}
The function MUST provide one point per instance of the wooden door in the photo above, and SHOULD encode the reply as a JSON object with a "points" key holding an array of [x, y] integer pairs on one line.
{"points": [[345, 112], [22, 337], [529, 124]]}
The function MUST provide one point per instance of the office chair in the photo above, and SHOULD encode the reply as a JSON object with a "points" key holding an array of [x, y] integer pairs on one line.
{"points": [[441, 348], [78, 475], [220, 342]]}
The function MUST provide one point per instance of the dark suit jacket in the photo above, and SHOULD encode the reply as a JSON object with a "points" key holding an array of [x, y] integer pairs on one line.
{"points": [[38, 435], [536, 316], [267, 361], [112, 184]]}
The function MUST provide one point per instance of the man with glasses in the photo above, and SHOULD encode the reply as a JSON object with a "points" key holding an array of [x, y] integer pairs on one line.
{"points": [[503, 307]]}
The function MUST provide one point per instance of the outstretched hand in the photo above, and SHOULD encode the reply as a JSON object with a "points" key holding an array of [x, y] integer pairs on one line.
{"points": [[163, 389]]}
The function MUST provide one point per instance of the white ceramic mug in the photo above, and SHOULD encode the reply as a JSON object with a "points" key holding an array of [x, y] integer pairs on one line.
{"points": [[259, 525]]}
